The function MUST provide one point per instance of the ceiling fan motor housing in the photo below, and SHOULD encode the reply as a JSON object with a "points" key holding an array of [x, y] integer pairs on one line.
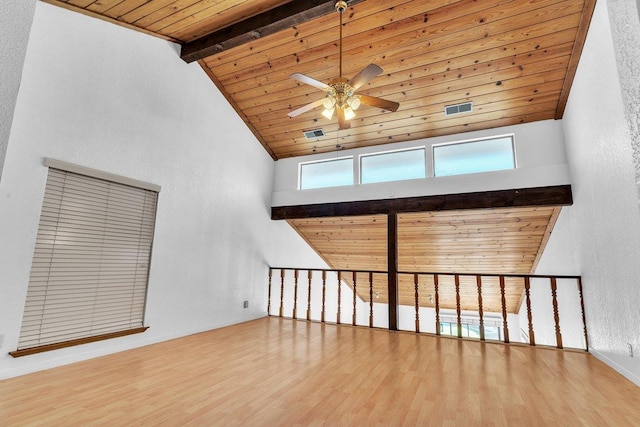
{"points": [[341, 6]]}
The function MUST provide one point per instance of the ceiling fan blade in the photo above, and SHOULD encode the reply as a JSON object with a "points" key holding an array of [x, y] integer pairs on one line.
{"points": [[306, 108], [342, 122], [379, 103], [309, 81], [364, 76]]}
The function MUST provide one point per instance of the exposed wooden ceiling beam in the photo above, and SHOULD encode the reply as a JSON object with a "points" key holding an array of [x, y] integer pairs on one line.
{"points": [[558, 195], [285, 16]]}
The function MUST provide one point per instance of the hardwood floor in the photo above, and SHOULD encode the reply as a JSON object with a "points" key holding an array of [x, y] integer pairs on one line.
{"points": [[275, 371]]}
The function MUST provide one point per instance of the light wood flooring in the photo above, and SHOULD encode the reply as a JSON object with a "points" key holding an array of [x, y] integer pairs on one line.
{"points": [[272, 372]]}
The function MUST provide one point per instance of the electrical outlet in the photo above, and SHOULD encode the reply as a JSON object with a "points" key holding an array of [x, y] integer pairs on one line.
{"points": [[245, 304], [630, 348]]}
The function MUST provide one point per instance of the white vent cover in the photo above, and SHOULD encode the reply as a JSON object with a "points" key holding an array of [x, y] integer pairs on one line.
{"points": [[316, 133], [465, 107]]}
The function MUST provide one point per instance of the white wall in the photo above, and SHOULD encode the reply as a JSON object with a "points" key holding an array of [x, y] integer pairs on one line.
{"points": [[540, 156], [108, 98], [16, 17], [599, 236]]}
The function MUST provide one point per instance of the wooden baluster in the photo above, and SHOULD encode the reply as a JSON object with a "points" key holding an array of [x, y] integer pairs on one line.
{"points": [[417, 301], [504, 311], [309, 275], [339, 296], [480, 308], [584, 320], [458, 312], [556, 316], [281, 292], [527, 293], [370, 299], [269, 295], [295, 294], [435, 287], [354, 299], [324, 293]]}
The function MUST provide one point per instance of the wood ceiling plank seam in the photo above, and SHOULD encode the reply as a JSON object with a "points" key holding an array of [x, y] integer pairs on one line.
{"points": [[101, 17], [77, 3], [238, 111], [305, 149], [103, 5], [301, 32], [414, 108], [260, 96], [407, 44], [553, 218], [432, 61], [427, 116], [117, 11], [180, 10], [393, 90], [428, 111], [520, 53], [581, 37], [148, 9], [362, 28], [434, 121], [207, 19]]}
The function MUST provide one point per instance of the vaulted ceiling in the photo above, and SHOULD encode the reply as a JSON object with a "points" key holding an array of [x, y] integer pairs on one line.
{"points": [[513, 59]]}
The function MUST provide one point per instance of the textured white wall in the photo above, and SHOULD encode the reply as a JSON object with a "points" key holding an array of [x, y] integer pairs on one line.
{"points": [[108, 98], [16, 17], [599, 236], [624, 16]]}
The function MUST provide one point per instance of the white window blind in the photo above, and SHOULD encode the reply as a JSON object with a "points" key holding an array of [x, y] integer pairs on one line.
{"points": [[91, 260]]}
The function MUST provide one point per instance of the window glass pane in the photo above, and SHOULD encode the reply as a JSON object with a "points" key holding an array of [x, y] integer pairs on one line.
{"points": [[332, 173], [475, 156], [394, 166], [492, 332]]}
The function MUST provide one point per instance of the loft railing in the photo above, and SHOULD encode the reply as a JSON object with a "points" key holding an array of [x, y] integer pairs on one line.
{"points": [[532, 309]]}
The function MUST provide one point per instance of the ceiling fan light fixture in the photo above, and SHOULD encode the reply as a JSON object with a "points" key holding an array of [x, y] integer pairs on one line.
{"points": [[349, 113], [328, 113], [353, 102], [329, 103]]}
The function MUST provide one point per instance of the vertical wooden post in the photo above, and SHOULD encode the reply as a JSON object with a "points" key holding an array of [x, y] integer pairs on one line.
{"points": [[339, 296], [269, 295], [480, 308], [458, 311], [417, 302], [584, 319], [527, 293], [324, 293], [281, 292], [309, 276], [295, 294], [370, 299], [355, 294], [504, 311], [392, 269], [556, 316], [435, 287]]}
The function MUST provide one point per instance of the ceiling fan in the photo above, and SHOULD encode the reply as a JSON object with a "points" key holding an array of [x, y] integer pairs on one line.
{"points": [[340, 92]]}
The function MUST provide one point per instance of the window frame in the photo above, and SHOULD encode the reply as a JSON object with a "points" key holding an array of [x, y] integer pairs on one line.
{"points": [[422, 148], [471, 141], [330, 160]]}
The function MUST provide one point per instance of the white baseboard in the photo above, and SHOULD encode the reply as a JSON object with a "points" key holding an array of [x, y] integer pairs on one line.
{"points": [[622, 370]]}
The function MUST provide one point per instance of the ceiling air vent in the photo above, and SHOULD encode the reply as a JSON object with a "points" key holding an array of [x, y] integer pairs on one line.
{"points": [[310, 134], [458, 108]]}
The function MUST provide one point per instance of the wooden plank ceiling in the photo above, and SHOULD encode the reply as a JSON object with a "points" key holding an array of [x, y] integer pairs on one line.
{"points": [[514, 59], [504, 241]]}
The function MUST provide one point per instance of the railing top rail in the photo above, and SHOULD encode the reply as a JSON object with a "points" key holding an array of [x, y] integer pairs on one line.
{"points": [[439, 273]]}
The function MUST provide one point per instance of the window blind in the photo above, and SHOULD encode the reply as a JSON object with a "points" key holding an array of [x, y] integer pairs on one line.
{"points": [[91, 260]]}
